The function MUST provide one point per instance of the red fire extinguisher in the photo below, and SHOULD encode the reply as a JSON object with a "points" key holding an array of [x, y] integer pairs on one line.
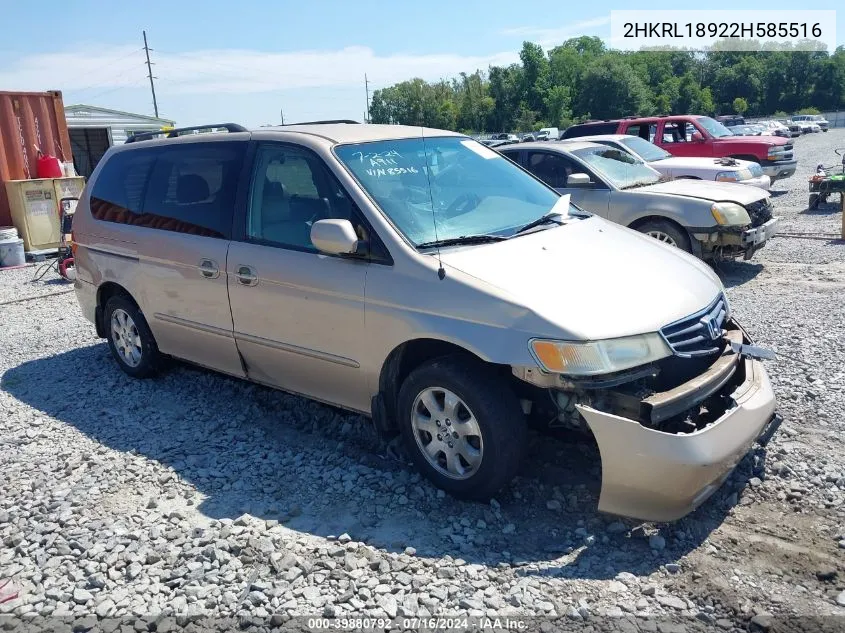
{"points": [[47, 166]]}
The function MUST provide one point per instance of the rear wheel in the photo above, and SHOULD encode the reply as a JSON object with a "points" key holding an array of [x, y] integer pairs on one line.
{"points": [[666, 232], [130, 340], [462, 425], [814, 201]]}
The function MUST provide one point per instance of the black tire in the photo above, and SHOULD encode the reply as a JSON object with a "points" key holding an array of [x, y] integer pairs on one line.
{"points": [[149, 362], [668, 228], [496, 410], [814, 201]]}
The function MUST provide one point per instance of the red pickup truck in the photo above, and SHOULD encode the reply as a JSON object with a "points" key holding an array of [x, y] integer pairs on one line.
{"points": [[693, 135]]}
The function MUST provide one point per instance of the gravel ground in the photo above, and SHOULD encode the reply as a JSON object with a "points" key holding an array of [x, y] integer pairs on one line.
{"points": [[194, 496]]}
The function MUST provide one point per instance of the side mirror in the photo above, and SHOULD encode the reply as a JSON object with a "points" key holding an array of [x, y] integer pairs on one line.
{"points": [[697, 138], [578, 180], [334, 237]]}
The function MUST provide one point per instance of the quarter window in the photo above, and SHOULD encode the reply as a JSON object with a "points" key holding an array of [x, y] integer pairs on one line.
{"points": [[186, 188]]}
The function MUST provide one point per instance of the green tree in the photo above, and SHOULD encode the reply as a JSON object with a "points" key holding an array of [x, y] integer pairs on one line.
{"points": [[740, 105], [610, 88]]}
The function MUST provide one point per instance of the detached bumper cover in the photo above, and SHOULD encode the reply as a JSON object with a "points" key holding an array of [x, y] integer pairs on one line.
{"points": [[758, 235], [656, 476]]}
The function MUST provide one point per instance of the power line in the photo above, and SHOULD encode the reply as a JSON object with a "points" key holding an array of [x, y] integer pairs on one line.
{"points": [[150, 75], [367, 89]]}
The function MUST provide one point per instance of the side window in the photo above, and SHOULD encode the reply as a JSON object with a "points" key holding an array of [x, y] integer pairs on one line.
{"points": [[643, 130], [118, 192], [192, 188], [182, 188], [678, 132], [512, 156], [291, 189], [553, 169]]}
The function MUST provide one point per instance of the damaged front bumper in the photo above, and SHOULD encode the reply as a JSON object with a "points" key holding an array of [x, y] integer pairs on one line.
{"points": [[730, 241], [655, 475]]}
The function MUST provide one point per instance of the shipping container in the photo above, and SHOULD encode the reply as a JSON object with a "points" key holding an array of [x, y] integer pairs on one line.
{"points": [[29, 120]]}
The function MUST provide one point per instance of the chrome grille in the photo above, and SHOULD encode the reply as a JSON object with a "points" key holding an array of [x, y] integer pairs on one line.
{"points": [[699, 333], [760, 212]]}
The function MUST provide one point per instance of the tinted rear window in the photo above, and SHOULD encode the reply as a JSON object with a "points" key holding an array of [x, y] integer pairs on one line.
{"points": [[186, 188], [589, 129]]}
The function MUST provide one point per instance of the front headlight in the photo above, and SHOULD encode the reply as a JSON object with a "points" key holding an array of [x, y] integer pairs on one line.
{"points": [[599, 357], [730, 214], [728, 176], [776, 152]]}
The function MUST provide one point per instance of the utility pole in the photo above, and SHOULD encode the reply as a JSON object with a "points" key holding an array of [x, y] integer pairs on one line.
{"points": [[150, 75], [282, 112], [367, 89]]}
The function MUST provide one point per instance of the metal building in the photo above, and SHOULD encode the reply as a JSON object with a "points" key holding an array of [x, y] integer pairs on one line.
{"points": [[93, 130]]}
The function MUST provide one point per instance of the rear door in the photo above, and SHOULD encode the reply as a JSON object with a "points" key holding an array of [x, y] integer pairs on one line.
{"points": [[186, 224], [554, 169]]}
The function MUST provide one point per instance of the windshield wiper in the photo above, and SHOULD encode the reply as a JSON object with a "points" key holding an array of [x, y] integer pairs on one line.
{"points": [[463, 239], [554, 216]]}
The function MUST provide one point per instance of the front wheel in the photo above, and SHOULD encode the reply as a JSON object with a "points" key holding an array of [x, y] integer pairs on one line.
{"points": [[666, 232], [462, 425]]}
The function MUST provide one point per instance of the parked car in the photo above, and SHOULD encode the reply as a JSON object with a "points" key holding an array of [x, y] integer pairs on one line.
{"points": [[417, 277], [794, 128], [776, 128], [712, 220], [548, 134], [721, 169], [807, 127], [816, 119], [504, 136], [527, 138], [692, 135], [744, 130], [729, 120]]}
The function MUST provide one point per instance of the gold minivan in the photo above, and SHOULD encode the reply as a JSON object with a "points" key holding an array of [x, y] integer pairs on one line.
{"points": [[418, 277]]}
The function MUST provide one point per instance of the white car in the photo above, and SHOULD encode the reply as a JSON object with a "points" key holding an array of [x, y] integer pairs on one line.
{"points": [[807, 126], [744, 172], [775, 128], [813, 119]]}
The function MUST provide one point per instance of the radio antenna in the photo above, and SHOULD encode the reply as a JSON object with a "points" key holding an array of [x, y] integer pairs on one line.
{"points": [[441, 272]]}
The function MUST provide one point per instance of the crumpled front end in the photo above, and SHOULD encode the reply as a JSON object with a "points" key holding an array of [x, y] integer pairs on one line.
{"points": [[665, 453]]}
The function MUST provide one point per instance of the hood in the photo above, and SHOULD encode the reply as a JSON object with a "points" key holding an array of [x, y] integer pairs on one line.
{"points": [[592, 279], [708, 190], [744, 140], [700, 162]]}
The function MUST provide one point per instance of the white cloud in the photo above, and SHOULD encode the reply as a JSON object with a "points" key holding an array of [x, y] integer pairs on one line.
{"points": [[556, 36], [89, 72]]}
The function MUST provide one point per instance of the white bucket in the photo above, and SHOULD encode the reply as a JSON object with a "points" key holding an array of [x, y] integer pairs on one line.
{"points": [[11, 253]]}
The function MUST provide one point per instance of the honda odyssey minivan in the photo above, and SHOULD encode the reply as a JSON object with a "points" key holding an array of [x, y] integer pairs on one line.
{"points": [[420, 278]]}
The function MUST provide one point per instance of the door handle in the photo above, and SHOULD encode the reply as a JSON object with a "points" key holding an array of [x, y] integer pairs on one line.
{"points": [[208, 269], [246, 275]]}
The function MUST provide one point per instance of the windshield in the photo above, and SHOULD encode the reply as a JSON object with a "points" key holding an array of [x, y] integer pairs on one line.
{"points": [[619, 167], [713, 127], [649, 152], [467, 187]]}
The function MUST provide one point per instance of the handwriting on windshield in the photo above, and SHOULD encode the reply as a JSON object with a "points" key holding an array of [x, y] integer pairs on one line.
{"points": [[379, 159], [392, 171]]}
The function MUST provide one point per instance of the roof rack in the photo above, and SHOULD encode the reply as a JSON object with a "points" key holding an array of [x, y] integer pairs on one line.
{"points": [[327, 122], [146, 136]]}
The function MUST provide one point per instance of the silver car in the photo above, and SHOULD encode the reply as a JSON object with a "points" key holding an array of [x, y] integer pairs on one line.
{"points": [[713, 220], [418, 277]]}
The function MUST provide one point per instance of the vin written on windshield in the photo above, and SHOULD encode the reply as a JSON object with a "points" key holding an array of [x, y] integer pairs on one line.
{"points": [[448, 189]]}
